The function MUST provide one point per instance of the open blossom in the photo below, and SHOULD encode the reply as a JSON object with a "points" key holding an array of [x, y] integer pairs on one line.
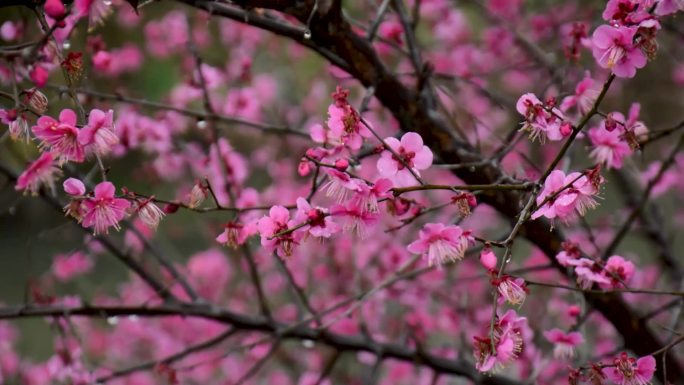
{"points": [[543, 121], [17, 124], [60, 136], [340, 185], [98, 136], [42, 172], [609, 147], [584, 98], [319, 223], [236, 234], [345, 123], [441, 244], [104, 210], [355, 219], [614, 49], [630, 371], [569, 196], [411, 154], [590, 272], [277, 221], [619, 271], [366, 197], [666, 7], [564, 343], [506, 346]]}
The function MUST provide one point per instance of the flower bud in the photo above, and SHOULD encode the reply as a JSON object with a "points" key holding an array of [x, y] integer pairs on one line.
{"points": [[488, 258], [73, 186], [566, 129], [37, 100], [150, 213], [341, 164]]}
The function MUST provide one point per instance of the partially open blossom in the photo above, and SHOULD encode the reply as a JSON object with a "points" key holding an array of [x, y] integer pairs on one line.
{"points": [[511, 289], [17, 124], [42, 172], [104, 210], [355, 219], [61, 137], [411, 154], [441, 244], [36, 100], [340, 185], [366, 197], [73, 186], [197, 195], [631, 371], [319, 222], [590, 272], [149, 213], [614, 49], [564, 343], [98, 136]]}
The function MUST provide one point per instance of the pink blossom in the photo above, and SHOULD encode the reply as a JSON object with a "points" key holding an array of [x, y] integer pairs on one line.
{"points": [[66, 267], [366, 197], [60, 136], [236, 234], [564, 343], [18, 126], [340, 185], [345, 123], [584, 98], [411, 154], [507, 343], [440, 243], [277, 221], [104, 210], [609, 147], [666, 7], [319, 223], [42, 172], [96, 10], [11, 30], [98, 136], [590, 272], [74, 187], [613, 48], [569, 196], [356, 219], [541, 121], [630, 371], [619, 271], [149, 213], [512, 290]]}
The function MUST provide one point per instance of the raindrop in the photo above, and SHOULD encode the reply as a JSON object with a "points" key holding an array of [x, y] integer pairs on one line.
{"points": [[308, 344], [107, 2], [66, 44], [12, 210], [307, 34], [472, 169], [201, 124], [112, 320], [133, 318]]}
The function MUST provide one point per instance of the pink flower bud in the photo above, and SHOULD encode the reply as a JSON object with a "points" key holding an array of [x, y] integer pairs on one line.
{"points": [[73, 186], [341, 164], [304, 168], [39, 76], [488, 258], [55, 9], [566, 128], [102, 60]]}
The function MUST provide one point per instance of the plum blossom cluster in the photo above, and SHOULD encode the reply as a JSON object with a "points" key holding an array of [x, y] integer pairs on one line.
{"points": [[615, 272], [566, 197]]}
